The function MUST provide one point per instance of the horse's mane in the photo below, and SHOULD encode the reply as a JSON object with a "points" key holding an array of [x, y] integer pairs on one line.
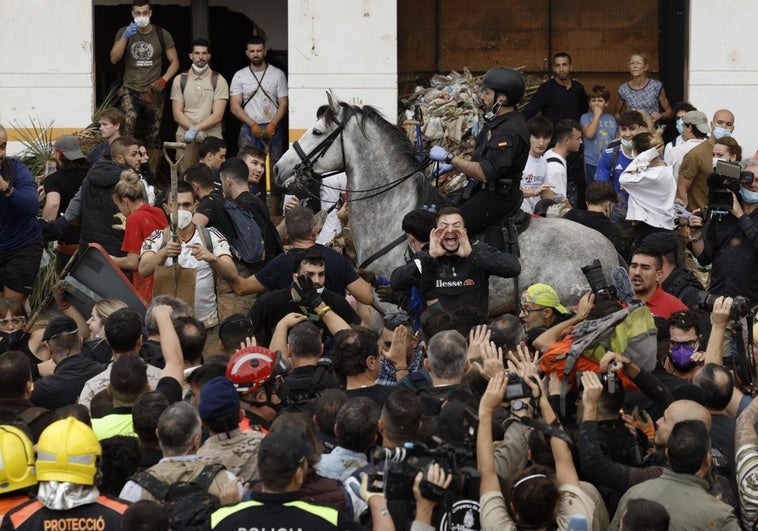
{"points": [[395, 136]]}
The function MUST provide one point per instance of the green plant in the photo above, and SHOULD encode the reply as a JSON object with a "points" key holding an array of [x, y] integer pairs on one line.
{"points": [[44, 281], [110, 100], [37, 140]]}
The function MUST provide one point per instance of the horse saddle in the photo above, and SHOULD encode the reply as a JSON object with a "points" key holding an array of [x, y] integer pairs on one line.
{"points": [[503, 235]]}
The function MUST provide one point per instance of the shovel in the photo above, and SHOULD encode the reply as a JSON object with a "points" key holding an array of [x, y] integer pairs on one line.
{"points": [[175, 280]]}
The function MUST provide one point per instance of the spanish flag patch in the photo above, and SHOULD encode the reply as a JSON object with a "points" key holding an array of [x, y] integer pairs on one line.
{"points": [[502, 144]]}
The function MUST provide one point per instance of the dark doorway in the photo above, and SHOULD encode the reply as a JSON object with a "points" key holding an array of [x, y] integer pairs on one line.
{"points": [[229, 32]]}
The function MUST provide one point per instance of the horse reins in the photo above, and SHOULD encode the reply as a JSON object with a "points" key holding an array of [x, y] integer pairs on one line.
{"points": [[305, 170]]}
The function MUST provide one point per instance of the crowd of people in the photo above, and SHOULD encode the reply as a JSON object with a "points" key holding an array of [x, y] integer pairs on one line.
{"points": [[277, 386]]}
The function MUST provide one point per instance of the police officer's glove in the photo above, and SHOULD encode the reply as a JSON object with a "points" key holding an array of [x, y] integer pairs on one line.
{"points": [[438, 153], [190, 135], [387, 294], [131, 30], [442, 170], [309, 297]]}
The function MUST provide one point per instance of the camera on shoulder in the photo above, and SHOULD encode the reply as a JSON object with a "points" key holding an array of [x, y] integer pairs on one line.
{"points": [[721, 184]]}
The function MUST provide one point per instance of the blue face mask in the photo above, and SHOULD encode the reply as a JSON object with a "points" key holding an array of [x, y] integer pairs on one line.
{"points": [[680, 125], [749, 197], [721, 132]]}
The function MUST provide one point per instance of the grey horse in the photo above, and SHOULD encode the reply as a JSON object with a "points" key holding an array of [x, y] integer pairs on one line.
{"points": [[385, 182]]}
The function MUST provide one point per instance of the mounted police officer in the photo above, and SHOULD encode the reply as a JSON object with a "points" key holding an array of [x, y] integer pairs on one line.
{"points": [[502, 148]]}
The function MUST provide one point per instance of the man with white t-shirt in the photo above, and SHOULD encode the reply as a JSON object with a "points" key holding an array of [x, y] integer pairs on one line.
{"points": [[568, 139], [258, 98], [193, 252], [533, 178]]}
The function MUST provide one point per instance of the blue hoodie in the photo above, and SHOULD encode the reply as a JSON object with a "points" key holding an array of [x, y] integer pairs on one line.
{"points": [[18, 212]]}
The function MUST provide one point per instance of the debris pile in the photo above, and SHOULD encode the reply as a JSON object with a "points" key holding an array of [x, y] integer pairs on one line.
{"points": [[448, 114]]}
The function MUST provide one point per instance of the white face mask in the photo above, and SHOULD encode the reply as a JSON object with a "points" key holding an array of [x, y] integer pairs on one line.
{"points": [[626, 143], [200, 69], [185, 218], [715, 160], [320, 290], [142, 21]]}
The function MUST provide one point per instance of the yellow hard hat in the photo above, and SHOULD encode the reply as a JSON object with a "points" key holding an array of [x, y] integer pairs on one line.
{"points": [[16, 460], [68, 451]]}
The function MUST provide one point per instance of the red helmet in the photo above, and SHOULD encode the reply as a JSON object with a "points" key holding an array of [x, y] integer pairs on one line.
{"points": [[251, 367]]}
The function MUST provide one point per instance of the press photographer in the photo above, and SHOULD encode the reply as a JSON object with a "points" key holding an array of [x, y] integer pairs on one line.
{"points": [[729, 241]]}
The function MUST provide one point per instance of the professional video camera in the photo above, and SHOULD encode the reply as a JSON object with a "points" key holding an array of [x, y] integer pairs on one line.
{"points": [[395, 476], [596, 280], [721, 184], [740, 305]]}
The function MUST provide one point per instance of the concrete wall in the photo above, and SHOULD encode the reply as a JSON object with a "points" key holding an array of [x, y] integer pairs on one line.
{"points": [[45, 73], [723, 67], [347, 46]]}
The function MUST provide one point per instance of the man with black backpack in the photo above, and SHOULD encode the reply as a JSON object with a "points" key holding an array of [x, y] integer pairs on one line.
{"points": [[198, 101], [311, 374], [180, 481], [241, 205], [143, 45]]}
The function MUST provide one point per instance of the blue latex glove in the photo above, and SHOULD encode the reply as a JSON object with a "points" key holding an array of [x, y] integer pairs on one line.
{"points": [[131, 30], [190, 135], [442, 170], [438, 153]]}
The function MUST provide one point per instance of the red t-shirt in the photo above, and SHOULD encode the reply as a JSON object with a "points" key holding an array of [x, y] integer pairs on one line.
{"points": [[139, 225], [662, 304]]}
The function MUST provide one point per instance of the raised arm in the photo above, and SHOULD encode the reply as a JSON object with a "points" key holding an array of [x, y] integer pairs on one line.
{"points": [[485, 457], [554, 333], [170, 346], [279, 339]]}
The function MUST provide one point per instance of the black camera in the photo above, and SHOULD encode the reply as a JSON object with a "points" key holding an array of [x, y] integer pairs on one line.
{"points": [[740, 305], [396, 475], [610, 381], [596, 279], [721, 184], [516, 388]]}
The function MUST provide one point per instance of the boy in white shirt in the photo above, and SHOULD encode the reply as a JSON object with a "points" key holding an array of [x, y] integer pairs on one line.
{"points": [[568, 139], [533, 178]]}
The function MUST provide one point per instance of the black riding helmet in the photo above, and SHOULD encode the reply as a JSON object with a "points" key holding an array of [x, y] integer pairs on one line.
{"points": [[505, 80]]}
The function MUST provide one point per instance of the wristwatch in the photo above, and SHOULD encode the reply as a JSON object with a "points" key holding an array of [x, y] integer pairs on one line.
{"points": [[449, 158]]}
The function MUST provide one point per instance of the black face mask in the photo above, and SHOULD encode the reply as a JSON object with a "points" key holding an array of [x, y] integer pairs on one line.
{"points": [[11, 339], [144, 168]]}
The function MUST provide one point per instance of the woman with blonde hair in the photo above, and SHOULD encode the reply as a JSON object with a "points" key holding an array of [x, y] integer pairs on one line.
{"points": [[141, 221], [97, 348], [642, 93]]}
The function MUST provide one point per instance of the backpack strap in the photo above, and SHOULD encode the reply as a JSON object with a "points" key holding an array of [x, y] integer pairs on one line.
{"points": [[556, 159], [205, 237], [183, 80], [32, 414], [207, 476], [156, 487], [161, 40]]}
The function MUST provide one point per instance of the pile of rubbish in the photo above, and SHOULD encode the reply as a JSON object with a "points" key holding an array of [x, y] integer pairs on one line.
{"points": [[448, 113]]}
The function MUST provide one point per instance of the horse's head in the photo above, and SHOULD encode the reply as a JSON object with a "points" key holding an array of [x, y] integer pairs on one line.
{"points": [[319, 151]]}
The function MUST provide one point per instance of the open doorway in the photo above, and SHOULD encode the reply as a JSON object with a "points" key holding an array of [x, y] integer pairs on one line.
{"points": [[229, 31]]}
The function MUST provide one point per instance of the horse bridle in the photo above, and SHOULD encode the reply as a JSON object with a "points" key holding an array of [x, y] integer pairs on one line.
{"points": [[305, 167]]}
